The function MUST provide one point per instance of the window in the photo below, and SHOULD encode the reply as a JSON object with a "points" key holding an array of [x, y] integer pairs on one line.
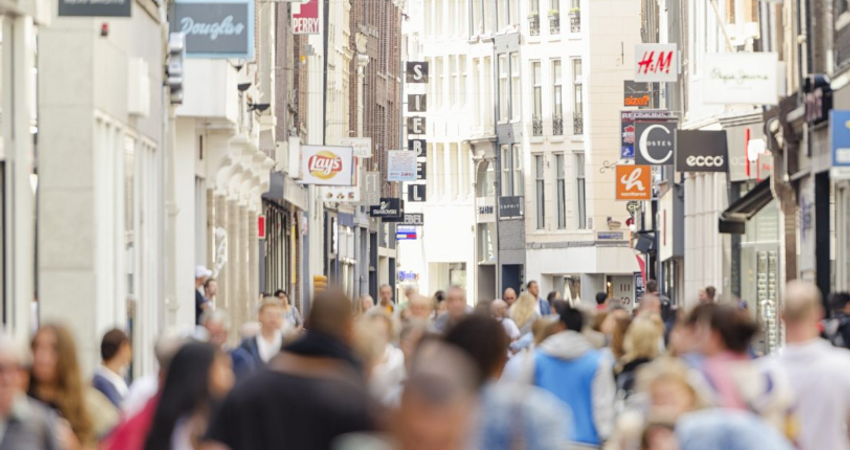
{"points": [[516, 105], [507, 182], [581, 196], [540, 187], [477, 88], [537, 106], [557, 99], [440, 171], [440, 79], [503, 14], [474, 17], [512, 180], [430, 171], [519, 189], [489, 20], [560, 191], [462, 87], [453, 81], [534, 6], [578, 98], [503, 87], [454, 172]]}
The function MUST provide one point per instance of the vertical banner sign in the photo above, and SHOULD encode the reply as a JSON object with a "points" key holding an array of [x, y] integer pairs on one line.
{"points": [[215, 29], [305, 17], [401, 165], [418, 146], [633, 182], [420, 170], [640, 287], [417, 103], [371, 189], [416, 125], [839, 128], [656, 63], [416, 71], [416, 193], [261, 227]]}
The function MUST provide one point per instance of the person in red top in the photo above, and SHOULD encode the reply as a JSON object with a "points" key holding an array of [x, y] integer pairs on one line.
{"points": [[601, 301], [132, 432]]}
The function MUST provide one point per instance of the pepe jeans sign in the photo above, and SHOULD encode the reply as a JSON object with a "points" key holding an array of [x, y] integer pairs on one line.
{"points": [[216, 29], [741, 78]]}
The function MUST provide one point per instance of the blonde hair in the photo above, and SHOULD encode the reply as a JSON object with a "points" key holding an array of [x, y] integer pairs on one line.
{"points": [[668, 369], [642, 337], [544, 327], [523, 309]]}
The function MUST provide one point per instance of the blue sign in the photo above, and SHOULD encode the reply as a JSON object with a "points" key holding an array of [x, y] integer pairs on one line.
{"points": [[405, 233], [839, 128]]}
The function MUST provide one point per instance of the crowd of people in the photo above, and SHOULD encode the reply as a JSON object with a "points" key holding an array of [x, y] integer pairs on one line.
{"points": [[429, 373]]}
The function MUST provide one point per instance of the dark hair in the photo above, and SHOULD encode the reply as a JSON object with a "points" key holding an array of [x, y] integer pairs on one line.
{"points": [[571, 317], [439, 296], [278, 292], [329, 313], [710, 292], [528, 286], [733, 324], [601, 297], [482, 339], [111, 343], [209, 280], [559, 305], [651, 286], [186, 389], [552, 296], [838, 300]]}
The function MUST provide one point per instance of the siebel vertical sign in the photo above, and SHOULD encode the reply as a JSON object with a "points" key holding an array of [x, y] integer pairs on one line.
{"points": [[305, 17]]}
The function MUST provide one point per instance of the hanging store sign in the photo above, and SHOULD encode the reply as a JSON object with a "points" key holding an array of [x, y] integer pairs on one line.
{"points": [[485, 210], [511, 208], [656, 63], [261, 227], [361, 147], [416, 72], [371, 189], [405, 233], [416, 193], [215, 29], [817, 98], [633, 182], [417, 103], [656, 143], [637, 94], [640, 286], [415, 219], [388, 208], [419, 146], [839, 130], [401, 165], [305, 17], [741, 79], [416, 125], [421, 170], [95, 8], [627, 127], [701, 151], [327, 166]]}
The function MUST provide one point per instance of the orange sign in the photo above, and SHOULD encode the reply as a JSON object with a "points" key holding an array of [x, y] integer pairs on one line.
{"points": [[634, 182], [636, 100]]}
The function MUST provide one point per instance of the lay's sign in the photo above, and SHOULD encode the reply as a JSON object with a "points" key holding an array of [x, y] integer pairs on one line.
{"points": [[327, 166]]}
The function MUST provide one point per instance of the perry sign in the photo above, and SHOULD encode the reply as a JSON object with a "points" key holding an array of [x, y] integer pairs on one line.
{"points": [[326, 166], [634, 182]]}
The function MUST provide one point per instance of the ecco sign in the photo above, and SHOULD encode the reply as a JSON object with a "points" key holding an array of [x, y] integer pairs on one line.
{"points": [[655, 143], [701, 151]]}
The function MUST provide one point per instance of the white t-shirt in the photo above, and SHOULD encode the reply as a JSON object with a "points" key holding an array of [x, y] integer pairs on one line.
{"points": [[819, 374], [267, 349], [388, 375], [510, 328]]}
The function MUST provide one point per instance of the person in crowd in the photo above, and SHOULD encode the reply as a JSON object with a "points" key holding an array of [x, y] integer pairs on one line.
{"points": [[199, 376], [385, 292], [601, 301], [201, 303], [249, 330], [552, 297], [524, 312], [419, 308], [268, 342], [617, 343], [816, 371], [388, 372], [703, 297], [26, 424], [217, 324], [596, 337], [641, 347], [650, 303], [511, 416], [615, 312], [456, 309], [509, 296], [543, 306], [524, 355], [710, 293], [55, 380], [116, 355], [567, 365], [210, 290], [409, 292], [652, 289], [364, 304], [440, 302], [313, 392], [412, 333], [499, 310], [837, 327], [289, 312]]}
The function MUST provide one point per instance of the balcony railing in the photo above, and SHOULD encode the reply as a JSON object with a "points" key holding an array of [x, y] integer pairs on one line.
{"points": [[537, 126], [557, 126], [578, 123], [575, 22], [534, 25], [554, 22]]}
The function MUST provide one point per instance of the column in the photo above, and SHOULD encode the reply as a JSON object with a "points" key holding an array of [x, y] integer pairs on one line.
{"points": [[221, 262], [253, 262], [233, 257]]}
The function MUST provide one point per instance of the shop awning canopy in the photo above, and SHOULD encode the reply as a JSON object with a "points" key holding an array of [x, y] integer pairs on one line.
{"points": [[734, 219]]}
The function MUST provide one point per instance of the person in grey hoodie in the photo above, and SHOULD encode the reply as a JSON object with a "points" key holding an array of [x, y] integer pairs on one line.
{"points": [[568, 365]]}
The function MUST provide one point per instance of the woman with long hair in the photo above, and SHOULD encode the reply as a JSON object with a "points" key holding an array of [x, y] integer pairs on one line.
{"points": [[55, 380], [524, 311], [289, 312], [198, 376], [641, 345]]}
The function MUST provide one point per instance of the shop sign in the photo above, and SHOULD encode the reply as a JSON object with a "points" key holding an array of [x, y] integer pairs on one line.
{"points": [[371, 189], [305, 17], [656, 63], [416, 125], [417, 103], [746, 147], [421, 170], [656, 143], [261, 227], [817, 98], [416, 72], [839, 129], [741, 78], [701, 151], [387, 208], [416, 193], [627, 127], [361, 147], [633, 182], [610, 236], [327, 166], [407, 275], [216, 29], [485, 210], [637, 94], [94, 8], [418, 146], [640, 287], [405, 233], [511, 207], [401, 165], [416, 219]]}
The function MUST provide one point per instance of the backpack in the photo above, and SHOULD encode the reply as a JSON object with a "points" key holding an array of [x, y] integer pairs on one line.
{"points": [[834, 329]]}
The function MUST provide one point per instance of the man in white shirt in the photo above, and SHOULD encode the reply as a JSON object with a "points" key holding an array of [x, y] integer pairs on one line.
{"points": [[499, 310], [109, 377], [816, 370], [264, 346]]}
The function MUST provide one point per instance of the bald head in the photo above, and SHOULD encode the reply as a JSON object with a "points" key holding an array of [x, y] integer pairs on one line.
{"points": [[499, 309], [802, 304], [509, 296], [420, 306]]}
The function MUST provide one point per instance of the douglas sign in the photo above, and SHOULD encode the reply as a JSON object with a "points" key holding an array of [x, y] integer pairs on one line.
{"points": [[216, 29]]}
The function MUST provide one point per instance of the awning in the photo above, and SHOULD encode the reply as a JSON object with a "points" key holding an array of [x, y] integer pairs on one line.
{"points": [[734, 219]]}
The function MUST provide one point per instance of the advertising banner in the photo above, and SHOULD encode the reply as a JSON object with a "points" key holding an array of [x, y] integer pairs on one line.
{"points": [[657, 63], [741, 78], [637, 94], [361, 147], [327, 166], [655, 143], [305, 17], [701, 151], [511, 207], [627, 127], [633, 182], [839, 129], [215, 29], [416, 219], [401, 165]]}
